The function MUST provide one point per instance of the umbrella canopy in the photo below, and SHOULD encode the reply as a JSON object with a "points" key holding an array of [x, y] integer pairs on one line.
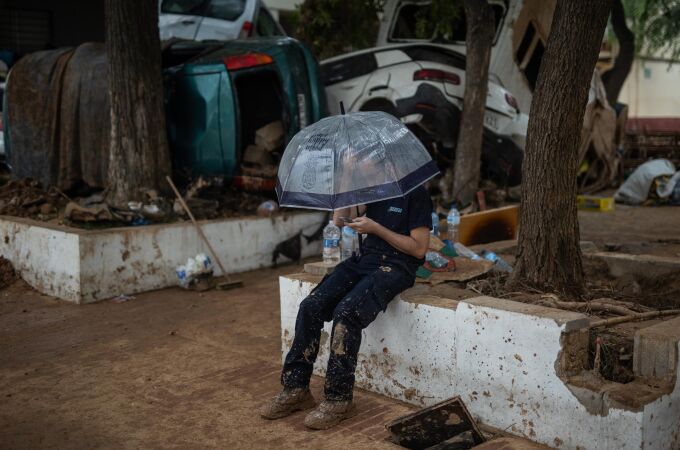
{"points": [[352, 159]]}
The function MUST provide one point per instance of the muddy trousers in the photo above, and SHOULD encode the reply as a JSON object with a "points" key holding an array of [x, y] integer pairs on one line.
{"points": [[351, 296]]}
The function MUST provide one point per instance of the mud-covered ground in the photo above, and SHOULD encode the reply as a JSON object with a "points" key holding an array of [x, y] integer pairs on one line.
{"points": [[169, 369], [177, 369]]}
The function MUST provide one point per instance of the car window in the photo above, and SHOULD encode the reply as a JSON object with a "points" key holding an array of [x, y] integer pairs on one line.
{"points": [[530, 53], [266, 25], [225, 9], [191, 7], [345, 69], [406, 26], [436, 55]]}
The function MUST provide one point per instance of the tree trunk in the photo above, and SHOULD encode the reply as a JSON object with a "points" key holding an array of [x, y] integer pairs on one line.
{"points": [[139, 156], [549, 255], [479, 38], [614, 78]]}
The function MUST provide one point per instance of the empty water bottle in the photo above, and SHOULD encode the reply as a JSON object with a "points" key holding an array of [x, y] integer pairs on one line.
{"points": [[436, 260], [499, 263], [350, 242], [331, 243], [452, 222], [435, 224], [466, 252]]}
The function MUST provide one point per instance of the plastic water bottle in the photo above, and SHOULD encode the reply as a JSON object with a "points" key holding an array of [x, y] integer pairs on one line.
{"points": [[466, 252], [436, 260], [499, 263], [331, 243], [435, 224], [452, 222], [350, 242]]}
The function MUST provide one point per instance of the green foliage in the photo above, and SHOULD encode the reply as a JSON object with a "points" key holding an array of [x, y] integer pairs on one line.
{"points": [[656, 26], [437, 21], [333, 27]]}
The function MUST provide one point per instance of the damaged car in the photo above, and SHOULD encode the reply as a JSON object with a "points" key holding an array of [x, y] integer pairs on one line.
{"points": [[206, 20], [423, 85], [230, 109]]}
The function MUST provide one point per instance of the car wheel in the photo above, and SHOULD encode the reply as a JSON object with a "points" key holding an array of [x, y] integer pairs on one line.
{"points": [[380, 105]]}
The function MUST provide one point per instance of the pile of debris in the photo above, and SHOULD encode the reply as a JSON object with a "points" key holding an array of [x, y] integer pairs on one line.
{"points": [[210, 198], [27, 198]]}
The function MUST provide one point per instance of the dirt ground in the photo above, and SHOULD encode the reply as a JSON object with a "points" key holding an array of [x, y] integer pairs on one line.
{"points": [[178, 369], [169, 369], [638, 230]]}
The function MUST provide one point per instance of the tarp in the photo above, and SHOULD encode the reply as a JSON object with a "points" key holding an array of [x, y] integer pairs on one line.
{"points": [[59, 116], [599, 140], [635, 190]]}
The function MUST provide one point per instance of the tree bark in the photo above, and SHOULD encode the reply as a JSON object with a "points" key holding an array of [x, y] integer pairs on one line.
{"points": [[549, 255], [478, 40], [139, 156], [614, 78]]}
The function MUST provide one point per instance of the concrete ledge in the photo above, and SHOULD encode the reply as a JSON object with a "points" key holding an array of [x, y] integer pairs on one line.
{"points": [[648, 265], [655, 353], [505, 360], [84, 266]]}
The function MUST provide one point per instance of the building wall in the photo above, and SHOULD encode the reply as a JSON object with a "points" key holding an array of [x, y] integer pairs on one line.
{"points": [[652, 89]]}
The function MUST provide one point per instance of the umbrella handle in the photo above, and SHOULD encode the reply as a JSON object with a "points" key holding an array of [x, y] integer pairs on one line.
{"points": [[342, 108]]}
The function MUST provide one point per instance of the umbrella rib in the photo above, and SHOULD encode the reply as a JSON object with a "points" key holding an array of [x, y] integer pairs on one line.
{"points": [[377, 132], [335, 135]]}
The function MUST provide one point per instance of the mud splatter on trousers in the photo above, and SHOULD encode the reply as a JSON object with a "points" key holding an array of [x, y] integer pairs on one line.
{"points": [[352, 297]]}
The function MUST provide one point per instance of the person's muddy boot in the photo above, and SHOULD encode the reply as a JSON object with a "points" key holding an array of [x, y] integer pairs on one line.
{"points": [[330, 413], [287, 402]]}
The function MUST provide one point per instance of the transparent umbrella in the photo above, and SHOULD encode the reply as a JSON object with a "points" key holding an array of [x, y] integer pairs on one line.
{"points": [[352, 159]]}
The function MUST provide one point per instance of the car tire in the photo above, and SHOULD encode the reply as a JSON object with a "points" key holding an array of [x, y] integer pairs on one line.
{"points": [[379, 104]]}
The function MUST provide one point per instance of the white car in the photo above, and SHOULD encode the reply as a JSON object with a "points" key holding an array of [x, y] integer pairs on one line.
{"points": [[423, 85], [222, 20]]}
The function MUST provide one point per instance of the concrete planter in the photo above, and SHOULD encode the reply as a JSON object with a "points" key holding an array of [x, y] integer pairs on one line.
{"points": [[84, 266], [519, 367]]}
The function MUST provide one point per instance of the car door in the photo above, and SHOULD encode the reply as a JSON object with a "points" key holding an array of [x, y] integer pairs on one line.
{"points": [[227, 19], [180, 18]]}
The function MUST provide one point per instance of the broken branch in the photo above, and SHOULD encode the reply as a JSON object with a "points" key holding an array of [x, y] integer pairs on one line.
{"points": [[640, 316]]}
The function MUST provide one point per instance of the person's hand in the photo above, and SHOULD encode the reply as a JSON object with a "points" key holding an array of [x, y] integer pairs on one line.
{"points": [[363, 225]]}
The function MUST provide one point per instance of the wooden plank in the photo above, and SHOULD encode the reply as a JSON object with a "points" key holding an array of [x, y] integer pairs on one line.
{"points": [[492, 225], [319, 268]]}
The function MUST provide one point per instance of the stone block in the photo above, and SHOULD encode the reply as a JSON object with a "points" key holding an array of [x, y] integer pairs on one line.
{"points": [[655, 353], [648, 265]]}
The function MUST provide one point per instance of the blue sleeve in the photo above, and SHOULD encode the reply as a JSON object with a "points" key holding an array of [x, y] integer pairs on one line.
{"points": [[419, 209]]}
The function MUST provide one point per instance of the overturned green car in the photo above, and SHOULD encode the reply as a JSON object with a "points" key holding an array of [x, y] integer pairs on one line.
{"points": [[218, 99], [217, 96]]}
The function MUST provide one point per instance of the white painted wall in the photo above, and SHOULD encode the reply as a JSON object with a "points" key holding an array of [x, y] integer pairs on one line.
{"points": [[500, 357], [86, 266], [652, 89], [47, 258]]}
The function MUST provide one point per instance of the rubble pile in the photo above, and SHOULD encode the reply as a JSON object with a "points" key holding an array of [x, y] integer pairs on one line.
{"points": [[27, 198], [209, 198]]}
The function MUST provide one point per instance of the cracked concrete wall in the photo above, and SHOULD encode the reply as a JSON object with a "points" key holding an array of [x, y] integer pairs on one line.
{"points": [[86, 266], [46, 258], [502, 358]]}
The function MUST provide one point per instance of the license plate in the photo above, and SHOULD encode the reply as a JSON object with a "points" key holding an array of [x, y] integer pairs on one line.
{"points": [[491, 121]]}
